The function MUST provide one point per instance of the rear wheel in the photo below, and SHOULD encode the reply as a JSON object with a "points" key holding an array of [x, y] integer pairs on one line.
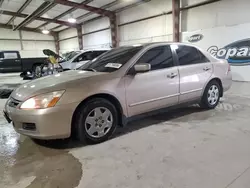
{"points": [[96, 121], [211, 95]]}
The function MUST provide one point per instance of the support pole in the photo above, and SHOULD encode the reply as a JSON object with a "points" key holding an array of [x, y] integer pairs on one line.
{"points": [[56, 37], [176, 20], [79, 36], [21, 39], [113, 28]]}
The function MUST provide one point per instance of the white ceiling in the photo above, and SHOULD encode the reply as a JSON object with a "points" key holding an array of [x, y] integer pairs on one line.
{"points": [[32, 6], [55, 11], [14, 6], [4, 18], [51, 25]]}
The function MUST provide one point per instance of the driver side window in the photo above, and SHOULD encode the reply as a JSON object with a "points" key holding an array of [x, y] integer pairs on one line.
{"points": [[79, 58], [87, 56], [158, 57]]}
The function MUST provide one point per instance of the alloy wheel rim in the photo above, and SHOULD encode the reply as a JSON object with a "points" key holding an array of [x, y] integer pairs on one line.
{"points": [[98, 122], [213, 95]]}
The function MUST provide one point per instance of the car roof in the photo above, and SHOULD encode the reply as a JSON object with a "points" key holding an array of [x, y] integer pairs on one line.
{"points": [[169, 43], [166, 43], [145, 45], [95, 49], [159, 43], [8, 51]]}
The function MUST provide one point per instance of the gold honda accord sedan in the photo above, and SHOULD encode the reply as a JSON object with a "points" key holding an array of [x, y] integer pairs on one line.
{"points": [[120, 84]]}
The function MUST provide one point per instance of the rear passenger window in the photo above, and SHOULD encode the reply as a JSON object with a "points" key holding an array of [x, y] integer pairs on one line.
{"points": [[84, 57], [10, 55], [158, 57], [189, 55]]}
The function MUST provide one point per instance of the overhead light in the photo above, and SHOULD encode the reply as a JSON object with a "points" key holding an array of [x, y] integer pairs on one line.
{"points": [[45, 31], [72, 20]]}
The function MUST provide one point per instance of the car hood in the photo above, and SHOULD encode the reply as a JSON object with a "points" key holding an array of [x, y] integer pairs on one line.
{"points": [[51, 83]]}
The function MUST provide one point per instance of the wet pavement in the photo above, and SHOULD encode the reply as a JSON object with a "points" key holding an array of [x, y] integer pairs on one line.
{"points": [[45, 167], [8, 82], [10, 78], [188, 147]]}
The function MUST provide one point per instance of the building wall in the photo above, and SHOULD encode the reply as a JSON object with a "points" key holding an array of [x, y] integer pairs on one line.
{"points": [[221, 23], [31, 44], [150, 30], [92, 39], [68, 40], [153, 30], [156, 29]]}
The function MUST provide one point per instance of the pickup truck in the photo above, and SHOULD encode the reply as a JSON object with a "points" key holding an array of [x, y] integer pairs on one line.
{"points": [[11, 61]]}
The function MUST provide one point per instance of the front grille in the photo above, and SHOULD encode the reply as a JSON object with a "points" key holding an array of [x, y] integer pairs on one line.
{"points": [[13, 102]]}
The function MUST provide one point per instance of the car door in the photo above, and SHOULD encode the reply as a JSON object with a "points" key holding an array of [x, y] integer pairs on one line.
{"points": [[11, 61], [79, 60], [157, 88], [194, 69]]}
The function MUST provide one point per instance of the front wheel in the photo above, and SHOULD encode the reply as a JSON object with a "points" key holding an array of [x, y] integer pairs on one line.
{"points": [[211, 95], [96, 121], [37, 71]]}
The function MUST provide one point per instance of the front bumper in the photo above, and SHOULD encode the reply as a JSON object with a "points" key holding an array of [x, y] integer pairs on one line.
{"points": [[50, 123]]}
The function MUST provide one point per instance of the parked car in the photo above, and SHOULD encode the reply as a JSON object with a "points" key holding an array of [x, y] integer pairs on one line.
{"points": [[48, 67], [121, 84], [67, 54], [76, 59], [11, 61]]}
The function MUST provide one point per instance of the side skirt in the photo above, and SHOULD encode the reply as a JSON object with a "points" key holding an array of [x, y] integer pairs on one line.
{"points": [[126, 120]]}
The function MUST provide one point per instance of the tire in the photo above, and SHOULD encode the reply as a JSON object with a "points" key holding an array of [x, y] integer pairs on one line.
{"points": [[211, 95], [95, 121], [37, 71]]}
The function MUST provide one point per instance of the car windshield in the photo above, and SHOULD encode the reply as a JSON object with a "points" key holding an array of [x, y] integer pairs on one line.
{"points": [[71, 55], [111, 60]]}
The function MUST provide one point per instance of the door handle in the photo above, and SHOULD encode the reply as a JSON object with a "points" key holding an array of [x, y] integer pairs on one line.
{"points": [[206, 69], [172, 75]]}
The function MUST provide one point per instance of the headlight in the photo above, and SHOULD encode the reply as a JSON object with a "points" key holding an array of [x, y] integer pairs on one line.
{"points": [[46, 100]]}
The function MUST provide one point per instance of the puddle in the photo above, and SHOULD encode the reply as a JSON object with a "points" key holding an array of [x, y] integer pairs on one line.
{"points": [[21, 158]]}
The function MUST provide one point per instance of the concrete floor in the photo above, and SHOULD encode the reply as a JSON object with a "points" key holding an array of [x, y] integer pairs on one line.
{"points": [[10, 78], [186, 148]]}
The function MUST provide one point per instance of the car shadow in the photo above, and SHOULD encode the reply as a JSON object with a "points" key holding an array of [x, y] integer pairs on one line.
{"points": [[156, 118], [137, 124]]}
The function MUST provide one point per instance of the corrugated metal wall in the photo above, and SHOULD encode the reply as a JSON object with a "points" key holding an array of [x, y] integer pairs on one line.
{"points": [[31, 44]]}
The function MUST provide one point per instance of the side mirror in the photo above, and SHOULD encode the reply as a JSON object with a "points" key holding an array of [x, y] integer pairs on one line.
{"points": [[139, 68]]}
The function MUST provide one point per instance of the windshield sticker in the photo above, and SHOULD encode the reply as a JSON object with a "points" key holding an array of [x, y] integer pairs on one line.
{"points": [[113, 65]]}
